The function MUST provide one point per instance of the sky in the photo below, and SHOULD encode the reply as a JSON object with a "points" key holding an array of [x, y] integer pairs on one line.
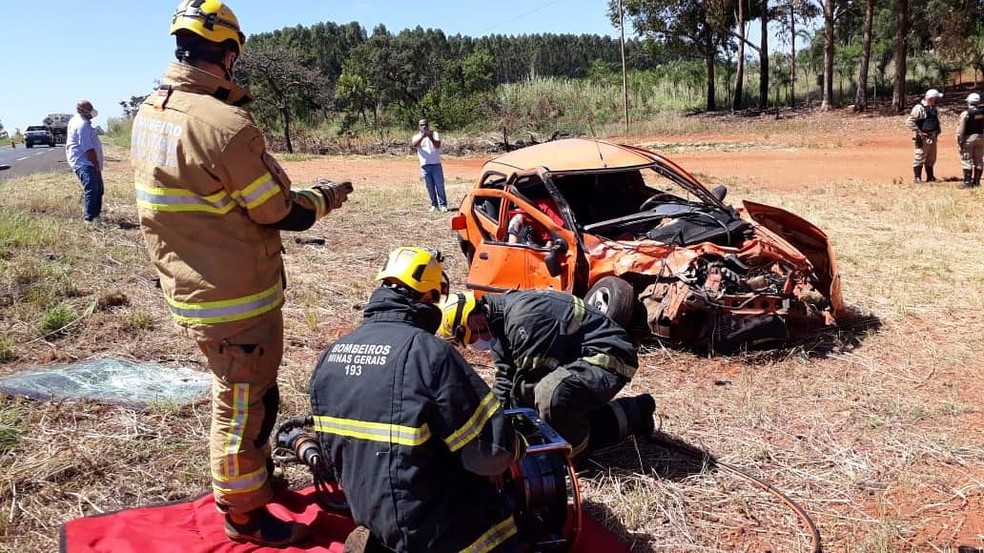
{"points": [[55, 52]]}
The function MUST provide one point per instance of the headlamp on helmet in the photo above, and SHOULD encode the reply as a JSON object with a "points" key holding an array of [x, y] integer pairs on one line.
{"points": [[417, 269], [210, 19]]}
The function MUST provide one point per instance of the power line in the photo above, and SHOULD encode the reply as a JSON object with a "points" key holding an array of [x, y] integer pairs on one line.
{"points": [[520, 16]]}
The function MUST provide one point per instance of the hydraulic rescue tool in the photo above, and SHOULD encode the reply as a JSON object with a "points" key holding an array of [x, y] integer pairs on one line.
{"points": [[541, 486]]}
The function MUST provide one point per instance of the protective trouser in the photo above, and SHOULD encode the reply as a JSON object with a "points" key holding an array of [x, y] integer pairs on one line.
{"points": [[568, 397], [972, 154], [925, 152], [245, 399]]}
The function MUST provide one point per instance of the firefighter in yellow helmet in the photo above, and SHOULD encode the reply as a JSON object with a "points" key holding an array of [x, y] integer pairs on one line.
{"points": [[556, 354], [412, 431], [212, 203]]}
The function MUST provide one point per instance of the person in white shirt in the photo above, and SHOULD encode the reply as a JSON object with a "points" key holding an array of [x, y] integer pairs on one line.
{"points": [[83, 152], [428, 145]]}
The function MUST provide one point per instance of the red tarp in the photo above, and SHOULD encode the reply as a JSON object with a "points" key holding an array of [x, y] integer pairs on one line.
{"points": [[196, 527]]}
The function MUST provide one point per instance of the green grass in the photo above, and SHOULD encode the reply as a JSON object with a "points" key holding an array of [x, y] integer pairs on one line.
{"points": [[55, 319]]}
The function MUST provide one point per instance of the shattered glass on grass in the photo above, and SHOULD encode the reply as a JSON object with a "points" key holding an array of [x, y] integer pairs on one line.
{"points": [[115, 381]]}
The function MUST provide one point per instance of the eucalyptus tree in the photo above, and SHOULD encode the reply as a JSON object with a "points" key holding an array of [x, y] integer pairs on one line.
{"points": [[684, 28]]}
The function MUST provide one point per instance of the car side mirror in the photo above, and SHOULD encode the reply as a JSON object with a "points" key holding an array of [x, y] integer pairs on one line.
{"points": [[555, 256], [720, 191]]}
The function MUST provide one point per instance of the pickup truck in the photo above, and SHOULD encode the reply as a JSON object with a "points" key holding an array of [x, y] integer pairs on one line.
{"points": [[38, 134]]}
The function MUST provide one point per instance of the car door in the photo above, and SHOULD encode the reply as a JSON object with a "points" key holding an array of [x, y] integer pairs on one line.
{"points": [[498, 265]]}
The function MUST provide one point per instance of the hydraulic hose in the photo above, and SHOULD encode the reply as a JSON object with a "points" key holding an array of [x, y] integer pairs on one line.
{"points": [[706, 458]]}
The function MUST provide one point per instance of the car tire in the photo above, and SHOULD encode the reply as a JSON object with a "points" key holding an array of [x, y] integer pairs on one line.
{"points": [[614, 297]]}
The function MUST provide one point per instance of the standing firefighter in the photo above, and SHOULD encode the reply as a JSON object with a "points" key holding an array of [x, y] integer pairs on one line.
{"points": [[212, 203], [557, 354], [970, 141], [924, 121], [412, 431]]}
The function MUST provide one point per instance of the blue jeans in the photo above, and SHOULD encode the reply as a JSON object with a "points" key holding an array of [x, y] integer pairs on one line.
{"points": [[433, 176], [92, 191]]}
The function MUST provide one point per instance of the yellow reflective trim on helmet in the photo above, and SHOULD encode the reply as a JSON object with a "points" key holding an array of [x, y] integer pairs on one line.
{"points": [[473, 427], [373, 431]]}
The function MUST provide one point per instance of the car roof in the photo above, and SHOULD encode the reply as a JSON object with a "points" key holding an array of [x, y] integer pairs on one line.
{"points": [[570, 155]]}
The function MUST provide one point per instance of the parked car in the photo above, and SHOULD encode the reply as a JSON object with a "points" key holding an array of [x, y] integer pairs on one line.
{"points": [[38, 135], [642, 239]]}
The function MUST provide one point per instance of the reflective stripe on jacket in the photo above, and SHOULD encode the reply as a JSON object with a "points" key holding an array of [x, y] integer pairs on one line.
{"points": [[398, 410], [205, 188], [540, 330]]}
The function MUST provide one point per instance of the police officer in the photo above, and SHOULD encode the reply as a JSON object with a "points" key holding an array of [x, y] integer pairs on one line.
{"points": [[557, 354], [924, 121], [970, 140], [413, 432], [212, 203]]}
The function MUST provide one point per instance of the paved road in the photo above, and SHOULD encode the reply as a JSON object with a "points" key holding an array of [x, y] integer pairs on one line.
{"points": [[24, 161]]}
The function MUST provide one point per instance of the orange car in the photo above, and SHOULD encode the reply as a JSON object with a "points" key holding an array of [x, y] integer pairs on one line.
{"points": [[640, 238]]}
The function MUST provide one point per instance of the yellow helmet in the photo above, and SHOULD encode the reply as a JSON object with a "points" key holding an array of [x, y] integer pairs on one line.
{"points": [[416, 268], [454, 320], [209, 19]]}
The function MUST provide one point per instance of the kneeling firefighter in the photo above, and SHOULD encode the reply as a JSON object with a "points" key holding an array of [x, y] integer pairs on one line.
{"points": [[557, 354], [412, 431]]}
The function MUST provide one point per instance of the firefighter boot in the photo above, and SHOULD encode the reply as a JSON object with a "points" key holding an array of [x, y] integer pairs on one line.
{"points": [[930, 177], [624, 416], [917, 174], [967, 178], [361, 540], [262, 528]]}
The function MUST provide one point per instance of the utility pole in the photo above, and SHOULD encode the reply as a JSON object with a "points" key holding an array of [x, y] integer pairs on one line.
{"points": [[625, 85]]}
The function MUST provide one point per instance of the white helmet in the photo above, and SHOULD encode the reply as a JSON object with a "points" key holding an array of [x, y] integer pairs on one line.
{"points": [[933, 93], [973, 99]]}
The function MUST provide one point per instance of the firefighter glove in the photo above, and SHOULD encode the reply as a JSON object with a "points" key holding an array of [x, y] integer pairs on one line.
{"points": [[335, 193]]}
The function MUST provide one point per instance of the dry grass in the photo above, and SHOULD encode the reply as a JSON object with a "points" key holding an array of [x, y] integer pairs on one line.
{"points": [[875, 431]]}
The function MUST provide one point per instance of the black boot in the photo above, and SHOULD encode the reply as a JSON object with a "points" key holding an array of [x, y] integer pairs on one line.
{"points": [[977, 177], [967, 178], [930, 177], [614, 422], [917, 174]]}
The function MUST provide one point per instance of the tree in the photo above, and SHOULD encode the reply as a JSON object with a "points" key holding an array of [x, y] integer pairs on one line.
{"points": [[3, 132], [861, 96], [901, 50], [684, 28], [279, 79], [828, 55], [131, 106]]}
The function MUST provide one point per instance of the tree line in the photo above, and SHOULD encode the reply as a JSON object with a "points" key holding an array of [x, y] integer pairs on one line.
{"points": [[862, 39], [339, 79]]}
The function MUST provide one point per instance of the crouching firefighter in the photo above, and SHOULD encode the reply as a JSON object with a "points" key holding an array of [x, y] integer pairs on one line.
{"points": [[412, 431], [558, 355]]}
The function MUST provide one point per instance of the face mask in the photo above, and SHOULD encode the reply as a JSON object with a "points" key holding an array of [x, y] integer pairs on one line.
{"points": [[94, 113], [482, 344]]}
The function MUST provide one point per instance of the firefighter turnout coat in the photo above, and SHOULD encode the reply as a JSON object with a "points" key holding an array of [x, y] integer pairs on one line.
{"points": [[413, 433], [560, 355], [205, 188]]}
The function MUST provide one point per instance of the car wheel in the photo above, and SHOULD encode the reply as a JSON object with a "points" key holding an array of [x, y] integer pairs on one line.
{"points": [[614, 297]]}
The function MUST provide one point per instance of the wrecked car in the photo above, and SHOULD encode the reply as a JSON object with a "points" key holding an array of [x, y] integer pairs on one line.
{"points": [[642, 239]]}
